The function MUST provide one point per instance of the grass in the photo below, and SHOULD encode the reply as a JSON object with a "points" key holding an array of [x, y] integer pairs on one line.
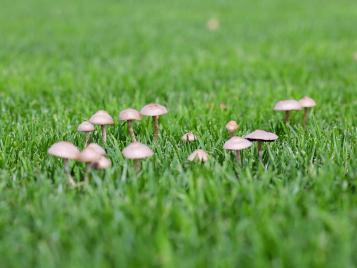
{"points": [[60, 62]]}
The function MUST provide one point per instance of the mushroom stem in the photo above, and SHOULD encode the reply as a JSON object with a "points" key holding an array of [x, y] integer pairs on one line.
{"points": [[306, 115], [131, 130], [86, 174], [287, 115], [87, 139], [156, 127], [68, 172], [260, 151], [231, 133], [238, 156], [137, 165], [104, 133]]}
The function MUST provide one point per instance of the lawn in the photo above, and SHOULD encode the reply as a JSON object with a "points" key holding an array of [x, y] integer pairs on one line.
{"points": [[60, 61]]}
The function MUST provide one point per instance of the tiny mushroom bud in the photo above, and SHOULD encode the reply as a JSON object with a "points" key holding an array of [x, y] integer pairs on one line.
{"points": [[237, 144], [189, 136], [154, 110], [307, 103], [102, 163], [232, 126], [102, 118], [137, 151], [86, 127], [287, 106], [261, 136], [129, 115], [199, 155], [67, 151]]}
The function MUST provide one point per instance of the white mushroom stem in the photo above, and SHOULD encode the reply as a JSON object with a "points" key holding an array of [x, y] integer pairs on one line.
{"points": [[238, 156], [287, 115], [131, 130], [156, 127], [86, 174], [306, 115], [231, 133], [87, 139], [260, 150], [68, 172], [137, 165], [104, 133]]}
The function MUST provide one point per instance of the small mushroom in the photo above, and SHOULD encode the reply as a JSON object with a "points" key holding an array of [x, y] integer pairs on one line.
{"points": [[237, 144], [198, 155], [261, 136], [287, 106], [307, 103], [102, 163], [89, 156], [97, 148], [189, 136], [67, 151], [87, 128], [232, 127], [154, 110], [129, 115], [102, 118], [137, 151]]}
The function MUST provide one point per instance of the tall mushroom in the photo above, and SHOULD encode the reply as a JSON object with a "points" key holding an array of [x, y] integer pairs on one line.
{"points": [[261, 136], [137, 151], [287, 106], [154, 110], [198, 155], [87, 128], [102, 118], [307, 103], [189, 136], [129, 115], [232, 127], [67, 151], [237, 144]]}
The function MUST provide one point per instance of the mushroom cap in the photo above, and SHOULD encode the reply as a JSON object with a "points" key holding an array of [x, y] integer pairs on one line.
{"points": [[236, 143], [102, 163], [64, 149], [153, 109], [307, 102], [261, 135], [97, 148], [101, 118], [189, 136], [232, 126], [137, 150], [287, 105], [129, 114], [89, 155], [199, 155], [85, 126]]}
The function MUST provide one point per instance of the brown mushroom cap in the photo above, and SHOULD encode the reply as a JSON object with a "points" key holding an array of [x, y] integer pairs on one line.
{"points": [[153, 109], [287, 105], [101, 118], [97, 148], [232, 126], [261, 135], [307, 102], [137, 150], [102, 163], [64, 149], [89, 155], [236, 144], [189, 136], [199, 155], [85, 126], [129, 114]]}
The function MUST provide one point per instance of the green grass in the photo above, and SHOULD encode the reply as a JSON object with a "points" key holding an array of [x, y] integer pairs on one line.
{"points": [[61, 61]]}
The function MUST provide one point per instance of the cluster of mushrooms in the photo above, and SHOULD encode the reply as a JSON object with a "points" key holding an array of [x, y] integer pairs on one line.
{"points": [[94, 156]]}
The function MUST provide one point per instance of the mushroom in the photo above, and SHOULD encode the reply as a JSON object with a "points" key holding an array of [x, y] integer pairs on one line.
{"points": [[102, 118], [154, 110], [307, 103], [287, 106], [237, 144], [86, 127], [199, 155], [67, 151], [189, 136], [101, 163], [137, 151], [88, 156], [232, 126], [97, 148], [261, 136], [129, 115]]}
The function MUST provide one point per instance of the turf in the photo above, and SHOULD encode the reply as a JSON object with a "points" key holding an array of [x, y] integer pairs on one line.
{"points": [[61, 61]]}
